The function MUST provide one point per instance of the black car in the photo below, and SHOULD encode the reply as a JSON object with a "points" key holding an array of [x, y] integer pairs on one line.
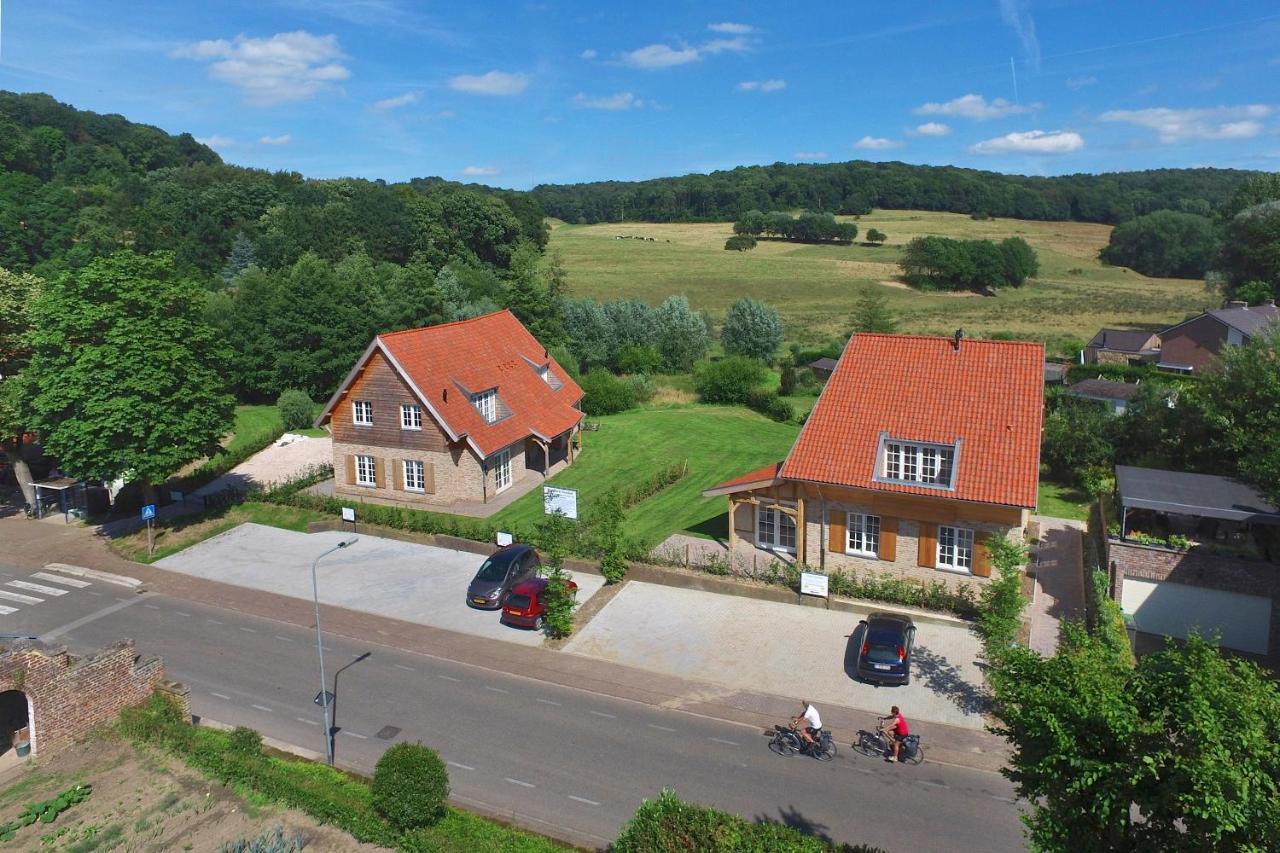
{"points": [[885, 655], [502, 570]]}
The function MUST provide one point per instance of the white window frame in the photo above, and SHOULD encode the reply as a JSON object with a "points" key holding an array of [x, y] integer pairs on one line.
{"points": [[502, 471], [861, 530], [410, 416], [359, 408], [957, 554], [415, 476], [778, 522], [486, 403], [923, 464], [366, 471]]}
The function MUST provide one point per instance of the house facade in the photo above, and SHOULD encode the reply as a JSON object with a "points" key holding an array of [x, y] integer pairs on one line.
{"points": [[1122, 346], [918, 452], [459, 412], [1195, 344]]}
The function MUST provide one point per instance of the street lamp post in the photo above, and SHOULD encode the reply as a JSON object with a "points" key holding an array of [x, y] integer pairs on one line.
{"points": [[324, 697]]}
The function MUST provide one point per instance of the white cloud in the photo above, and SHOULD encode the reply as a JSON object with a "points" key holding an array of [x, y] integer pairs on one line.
{"points": [[660, 56], [1077, 83], [398, 101], [620, 101], [490, 83], [933, 128], [589, 53], [477, 171], [282, 139], [974, 107], [1174, 125], [216, 141], [736, 44], [876, 143], [273, 70], [810, 155], [731, 28], [1017, 16], [1032, 142], [762, 85]]}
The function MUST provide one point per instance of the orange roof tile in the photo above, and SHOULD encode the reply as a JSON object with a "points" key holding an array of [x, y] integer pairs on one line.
{"points": [[492, 351], [764, 475], [988, 394]]}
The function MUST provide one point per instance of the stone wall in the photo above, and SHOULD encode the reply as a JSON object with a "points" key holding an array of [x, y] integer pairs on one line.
{"points": [[70, 695], [458, 474]]}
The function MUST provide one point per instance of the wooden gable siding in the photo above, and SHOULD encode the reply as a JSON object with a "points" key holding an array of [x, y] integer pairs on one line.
{"points": [[379, 384]]}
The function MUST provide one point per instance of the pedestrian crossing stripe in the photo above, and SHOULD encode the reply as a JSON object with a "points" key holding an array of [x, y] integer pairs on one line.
{"points": [[5, 611], [71, 582], [19, 597], [35, 587]]}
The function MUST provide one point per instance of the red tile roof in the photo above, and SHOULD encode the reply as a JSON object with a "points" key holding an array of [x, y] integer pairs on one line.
{"points": [[988, 394], [494, 351], [761, 476]]}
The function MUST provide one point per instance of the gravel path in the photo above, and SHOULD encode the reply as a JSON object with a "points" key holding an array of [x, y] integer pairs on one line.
{"points": [[274, 464]]}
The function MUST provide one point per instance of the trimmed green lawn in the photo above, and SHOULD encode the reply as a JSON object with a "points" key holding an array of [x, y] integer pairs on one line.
{"points": [[252, 421], [185, 531], [720, 442], [1061, 501]]}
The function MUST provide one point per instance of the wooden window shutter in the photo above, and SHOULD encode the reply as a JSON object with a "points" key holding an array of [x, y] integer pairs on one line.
{"points": [[379, 472], [351, 470], [928, 545], [838, 521], [397, 474], [429, 477], [888, 539], [981, 555]]}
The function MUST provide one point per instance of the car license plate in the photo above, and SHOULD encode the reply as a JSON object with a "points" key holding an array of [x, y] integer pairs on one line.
{"points": [[880, 665], [478, 601]]}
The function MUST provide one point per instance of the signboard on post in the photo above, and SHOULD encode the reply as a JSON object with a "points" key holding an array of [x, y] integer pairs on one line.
{"points": [[812, 583], [563, 501], [349, 514], [148, 513], [504, 539]]}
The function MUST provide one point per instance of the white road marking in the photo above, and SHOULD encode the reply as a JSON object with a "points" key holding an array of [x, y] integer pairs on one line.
{"points": [[213, 621], [305, 720], [36, 587], [405, 668], [933, 784], [94, 594], [547, 702], [603, 714], [518, 782], [248, 630], [583, 800], [355, 734], [284, 639], [183, 615], [262, 708], [661, 728], [71, 582], [448, 677], [19, 597], [729, 742], [220, 696], [496, 689], [48, 636], [5, 611], [151, 607], [460, 766]]}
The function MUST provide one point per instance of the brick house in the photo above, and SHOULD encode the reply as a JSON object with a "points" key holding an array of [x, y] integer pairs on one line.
{"points": [[918, 451], [1194, 344], [1122, 346], [459, 412]]}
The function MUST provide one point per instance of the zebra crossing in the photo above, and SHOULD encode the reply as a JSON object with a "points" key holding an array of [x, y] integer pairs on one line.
{"points": [[30, 593]]}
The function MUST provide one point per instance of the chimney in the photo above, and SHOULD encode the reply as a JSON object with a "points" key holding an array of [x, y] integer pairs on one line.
{"points": [[955, 343], [444, 394], [1236, 303]]}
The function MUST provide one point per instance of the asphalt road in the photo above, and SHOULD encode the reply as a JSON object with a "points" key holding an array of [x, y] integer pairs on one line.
{"points": [[566, 762]]}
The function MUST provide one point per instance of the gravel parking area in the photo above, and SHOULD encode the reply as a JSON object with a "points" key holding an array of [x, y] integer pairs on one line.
{"points": [[783, 649], [402, 580], [275, 464]]}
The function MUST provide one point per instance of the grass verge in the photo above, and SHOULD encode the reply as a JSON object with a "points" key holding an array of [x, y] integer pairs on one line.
{"points": [[183, 532]]}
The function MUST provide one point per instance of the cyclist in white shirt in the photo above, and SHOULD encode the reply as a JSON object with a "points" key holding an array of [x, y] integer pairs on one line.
{"points": [[810, 719]]}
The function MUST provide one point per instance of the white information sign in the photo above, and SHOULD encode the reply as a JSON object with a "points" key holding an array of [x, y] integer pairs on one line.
{"points": [[349, 514], [564, 501], [504, 539], [812, 583]]}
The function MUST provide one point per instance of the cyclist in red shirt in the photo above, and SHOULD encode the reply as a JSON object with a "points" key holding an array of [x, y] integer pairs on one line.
{"points": [[896, 730]]}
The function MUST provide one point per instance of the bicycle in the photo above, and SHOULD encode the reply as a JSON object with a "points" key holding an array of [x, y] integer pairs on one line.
{"points": [[787, 741], [877, 744]]}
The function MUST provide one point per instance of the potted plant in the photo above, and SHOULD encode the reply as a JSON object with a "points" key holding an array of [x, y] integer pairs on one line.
{"points": [[22, 741]]}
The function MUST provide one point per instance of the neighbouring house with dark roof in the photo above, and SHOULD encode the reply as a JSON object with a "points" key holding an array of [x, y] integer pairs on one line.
{"points": [[459, 412], [1115, 394], [823, 368], [1055, 374], [1196, 552], [1195, 344], [1122, 346], [918, 451]]}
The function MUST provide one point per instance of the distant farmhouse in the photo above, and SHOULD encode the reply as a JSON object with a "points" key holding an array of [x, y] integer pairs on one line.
{"points": [[1189, 346]]}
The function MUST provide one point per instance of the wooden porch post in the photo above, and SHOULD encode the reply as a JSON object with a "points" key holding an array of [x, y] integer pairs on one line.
{"points": [[800, 531], [733, 509]]}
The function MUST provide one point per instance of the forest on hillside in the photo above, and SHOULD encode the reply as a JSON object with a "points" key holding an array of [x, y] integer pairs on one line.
{"points": [[858, 186]]}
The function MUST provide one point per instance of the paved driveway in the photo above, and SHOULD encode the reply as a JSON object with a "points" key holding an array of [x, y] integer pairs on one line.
{"points": [[402, 580], [783, 649]]}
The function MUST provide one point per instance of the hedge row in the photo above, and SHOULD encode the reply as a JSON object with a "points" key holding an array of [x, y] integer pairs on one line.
{"points": [[326, 794]]}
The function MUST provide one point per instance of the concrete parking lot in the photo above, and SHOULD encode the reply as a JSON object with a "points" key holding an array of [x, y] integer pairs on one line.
{"points": [[783, 649], [402, 580]]}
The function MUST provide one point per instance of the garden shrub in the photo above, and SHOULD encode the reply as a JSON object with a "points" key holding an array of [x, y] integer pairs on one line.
{"points": [[1002, 600], [245, 741], [556, 535], [740, 243], [567, 360], [641, 387], [295, 408], [410, 786], [639, 359], [605, 394], [729, 380]]}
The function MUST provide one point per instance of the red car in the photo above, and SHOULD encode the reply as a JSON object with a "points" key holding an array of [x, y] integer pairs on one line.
{"points": [[524, 607]]}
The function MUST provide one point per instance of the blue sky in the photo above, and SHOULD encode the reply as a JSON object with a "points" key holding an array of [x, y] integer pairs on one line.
{"points": [[513, 94]]}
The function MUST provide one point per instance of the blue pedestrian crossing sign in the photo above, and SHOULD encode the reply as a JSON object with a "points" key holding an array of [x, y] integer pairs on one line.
{"points": [[148, 512]]}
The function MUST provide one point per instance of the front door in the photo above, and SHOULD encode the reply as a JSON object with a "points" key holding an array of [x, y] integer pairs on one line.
{"points": [[502, 470]]}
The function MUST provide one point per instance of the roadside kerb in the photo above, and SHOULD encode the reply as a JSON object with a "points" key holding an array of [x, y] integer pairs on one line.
{"points": [[105, 577]]}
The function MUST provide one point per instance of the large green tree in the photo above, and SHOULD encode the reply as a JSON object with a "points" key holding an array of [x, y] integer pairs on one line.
{"points": [[126, 375], [871, 312], [683, 337], [1251, 246], [752, 329], [1165, 243], [18, 292]]}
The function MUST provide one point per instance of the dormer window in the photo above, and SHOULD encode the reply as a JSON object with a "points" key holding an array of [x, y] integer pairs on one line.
{"points": [[486, 403], [362, 413], [920, 464]]}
